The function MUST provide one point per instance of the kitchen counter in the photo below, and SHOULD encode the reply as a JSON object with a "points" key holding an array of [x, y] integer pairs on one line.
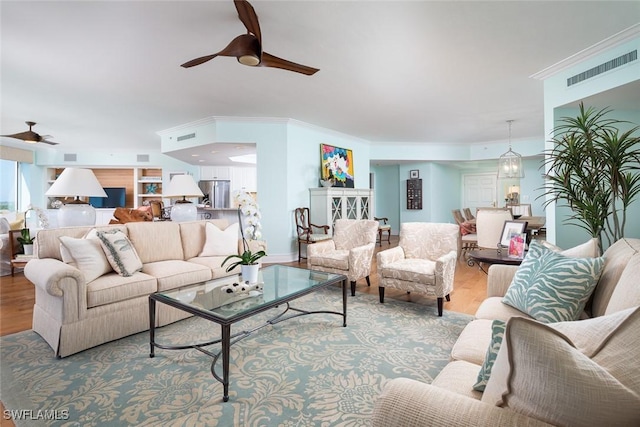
{"points": [[230, 214]]}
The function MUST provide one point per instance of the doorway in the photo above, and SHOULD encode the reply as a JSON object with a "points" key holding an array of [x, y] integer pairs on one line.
{"points": [[479, 191]]}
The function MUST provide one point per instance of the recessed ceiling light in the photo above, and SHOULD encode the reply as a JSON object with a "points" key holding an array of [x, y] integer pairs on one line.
{"points": [[195, 155]]}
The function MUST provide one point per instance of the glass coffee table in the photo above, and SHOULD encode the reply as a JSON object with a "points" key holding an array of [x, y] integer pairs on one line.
{"points": [[223, 302]]}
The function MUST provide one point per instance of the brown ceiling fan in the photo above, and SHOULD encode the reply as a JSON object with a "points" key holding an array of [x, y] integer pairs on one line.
{"points": [[31, 137], [247, 48]]}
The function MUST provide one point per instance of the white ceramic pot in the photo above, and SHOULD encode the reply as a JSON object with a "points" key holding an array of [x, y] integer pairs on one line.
{"points": [[28, 249], [250, 273]]}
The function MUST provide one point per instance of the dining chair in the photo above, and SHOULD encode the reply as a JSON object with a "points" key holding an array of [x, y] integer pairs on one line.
{"points": [[467, 237], [308, 233], [489, 225], [383, 227], [468, 215]]}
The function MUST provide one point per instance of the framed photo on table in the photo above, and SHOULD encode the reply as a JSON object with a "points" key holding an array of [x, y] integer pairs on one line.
{"points": [[516, 246], [510, 229]]}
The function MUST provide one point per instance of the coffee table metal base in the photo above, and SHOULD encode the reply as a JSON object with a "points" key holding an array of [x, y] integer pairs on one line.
{"points": [[226, 339]]}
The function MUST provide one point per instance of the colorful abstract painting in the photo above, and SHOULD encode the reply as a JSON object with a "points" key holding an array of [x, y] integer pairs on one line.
{"points": [[337, 164]]}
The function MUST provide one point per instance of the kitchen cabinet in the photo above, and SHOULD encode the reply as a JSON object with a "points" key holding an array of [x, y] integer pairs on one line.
{"points": [[215, 172]]}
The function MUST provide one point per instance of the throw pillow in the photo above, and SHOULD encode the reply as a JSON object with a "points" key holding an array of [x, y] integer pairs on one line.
{"points": [[86, 255], [589, 249], [539, 372], [551, 287], [220, 242], [120, 252], [497, 332], [4, 225]]}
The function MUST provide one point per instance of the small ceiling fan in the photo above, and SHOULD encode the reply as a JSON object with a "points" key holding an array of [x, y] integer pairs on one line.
{"points": [[31, 137], [247, 48]]}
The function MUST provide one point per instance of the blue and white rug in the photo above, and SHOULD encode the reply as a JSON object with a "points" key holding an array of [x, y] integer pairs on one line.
{"points": [[307, 371]]}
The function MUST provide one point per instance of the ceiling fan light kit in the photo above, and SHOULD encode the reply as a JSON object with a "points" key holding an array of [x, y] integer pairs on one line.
{"points": [[30, 137], [247, 48]]}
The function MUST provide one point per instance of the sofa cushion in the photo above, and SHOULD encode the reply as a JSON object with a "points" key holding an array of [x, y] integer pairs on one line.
{"points": [[616, 258], [627, 292], [156, 240], [493, 308], [86, 255], [411, 270], [459, 376], [497, 333], [192, 234], [551, 287], [214, 263], [472, 343], [120, 252], [542, 373], [112, 288], [175, 273], [221, 242]]}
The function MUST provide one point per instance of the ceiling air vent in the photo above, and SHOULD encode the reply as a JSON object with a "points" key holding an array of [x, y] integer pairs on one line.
{"points": [[142, 158], [68, 157], [602, 68], [187, 136]]}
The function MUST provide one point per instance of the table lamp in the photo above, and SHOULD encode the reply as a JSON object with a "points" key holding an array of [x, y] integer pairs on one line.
{"points": [[183, 186], [76, 182]]}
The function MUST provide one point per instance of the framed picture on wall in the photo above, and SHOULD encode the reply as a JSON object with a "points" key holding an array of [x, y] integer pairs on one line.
{"points": [[337, 164], [414, 174]]}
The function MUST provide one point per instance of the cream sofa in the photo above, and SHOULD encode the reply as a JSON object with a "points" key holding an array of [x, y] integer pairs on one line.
{"points": [[73, 315], [563, 398]]}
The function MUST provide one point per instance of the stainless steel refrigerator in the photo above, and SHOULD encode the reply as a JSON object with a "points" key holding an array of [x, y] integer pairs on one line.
{"points": [[216, 193]]}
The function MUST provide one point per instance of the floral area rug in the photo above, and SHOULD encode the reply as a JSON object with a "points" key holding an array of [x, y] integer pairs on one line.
{"points": [[306, 371]]}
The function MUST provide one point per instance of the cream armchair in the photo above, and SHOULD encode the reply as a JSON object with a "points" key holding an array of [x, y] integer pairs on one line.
{"points": [[349, 252], [424, 261]]}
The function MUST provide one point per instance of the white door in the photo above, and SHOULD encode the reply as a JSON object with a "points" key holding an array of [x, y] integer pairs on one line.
{"points": [[479, 190]]}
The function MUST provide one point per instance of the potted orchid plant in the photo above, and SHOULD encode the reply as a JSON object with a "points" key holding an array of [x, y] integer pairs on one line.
{"points": [[248, 259]]}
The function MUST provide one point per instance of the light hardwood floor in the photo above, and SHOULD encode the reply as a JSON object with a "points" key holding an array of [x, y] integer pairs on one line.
{"points": [[470, 288]]}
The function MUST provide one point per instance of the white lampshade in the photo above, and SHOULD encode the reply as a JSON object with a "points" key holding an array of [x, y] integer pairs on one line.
{"points": [[75, 182], [183, 186]]}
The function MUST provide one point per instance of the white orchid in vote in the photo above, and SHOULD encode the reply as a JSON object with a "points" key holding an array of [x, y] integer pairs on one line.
{"points": [[251, 212]]}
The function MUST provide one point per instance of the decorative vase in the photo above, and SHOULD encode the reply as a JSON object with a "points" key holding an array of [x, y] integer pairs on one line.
{"points": [[28, 249], [250, 273]]}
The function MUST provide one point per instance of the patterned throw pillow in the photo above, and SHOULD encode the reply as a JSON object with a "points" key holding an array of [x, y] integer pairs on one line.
{"points": [[497, 333], [551, 287], [120, 252]]}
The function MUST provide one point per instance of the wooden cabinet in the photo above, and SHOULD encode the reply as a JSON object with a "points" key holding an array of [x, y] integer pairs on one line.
{"points": [[215, 172], [328, 204]]}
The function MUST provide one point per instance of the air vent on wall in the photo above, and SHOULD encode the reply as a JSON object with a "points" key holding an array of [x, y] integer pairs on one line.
{"points": [[607, 66], [187, 136], [144, 158], [68, 157]]}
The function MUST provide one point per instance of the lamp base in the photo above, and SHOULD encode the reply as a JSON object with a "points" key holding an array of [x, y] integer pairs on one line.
{"points": [[76, 214], [181, 212]]}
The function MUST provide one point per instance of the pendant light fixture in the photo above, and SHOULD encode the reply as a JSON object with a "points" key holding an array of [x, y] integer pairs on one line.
{"points": [[510, 163]]}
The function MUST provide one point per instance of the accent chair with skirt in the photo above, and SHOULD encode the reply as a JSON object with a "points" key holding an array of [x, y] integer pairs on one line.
{"points": [[349, 252], [424, 261]]}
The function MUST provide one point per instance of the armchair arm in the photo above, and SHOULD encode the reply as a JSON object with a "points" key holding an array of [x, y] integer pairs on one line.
{"points": [[406, 403], [320, 247], [499, 278], [389, 256], [445, 270], [323, 228], [360, 261]]}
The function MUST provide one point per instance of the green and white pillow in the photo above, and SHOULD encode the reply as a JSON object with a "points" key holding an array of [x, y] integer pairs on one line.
{"points": [[120, 252], [551, 287], [497, 333]]}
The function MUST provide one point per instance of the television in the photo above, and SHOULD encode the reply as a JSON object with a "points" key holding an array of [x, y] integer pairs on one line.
{"points": [[116, 197]]}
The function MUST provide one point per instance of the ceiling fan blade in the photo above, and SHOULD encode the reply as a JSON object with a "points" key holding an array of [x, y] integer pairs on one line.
{"points": [[248, 16], [245, 44], [45, 141], [25, 136], [275, 62]]}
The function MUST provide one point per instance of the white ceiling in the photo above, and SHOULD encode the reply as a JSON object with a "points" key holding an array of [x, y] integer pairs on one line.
{"points": [[107, 75]]}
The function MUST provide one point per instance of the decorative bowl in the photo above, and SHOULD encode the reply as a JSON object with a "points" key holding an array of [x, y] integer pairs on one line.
{"points": [[326, 182]]}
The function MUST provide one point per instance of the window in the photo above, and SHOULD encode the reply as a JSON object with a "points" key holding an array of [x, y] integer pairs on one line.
{"points": [[9, 187]]}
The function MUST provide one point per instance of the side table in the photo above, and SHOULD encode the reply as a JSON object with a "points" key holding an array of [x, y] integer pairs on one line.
{"points": [[491, 256]]}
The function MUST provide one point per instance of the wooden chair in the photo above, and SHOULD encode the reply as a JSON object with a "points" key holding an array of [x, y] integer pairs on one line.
{"points": [[157, 208], [16, 249], [305, 230], [468, 215], [468, 240], [521, 209], [383, 227]]}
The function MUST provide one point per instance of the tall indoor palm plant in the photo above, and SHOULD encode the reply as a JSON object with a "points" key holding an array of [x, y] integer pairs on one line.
{"points": [[594, 167]]}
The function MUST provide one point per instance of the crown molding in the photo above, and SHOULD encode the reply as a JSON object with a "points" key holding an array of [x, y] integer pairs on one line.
{"points": [[606, 44]]}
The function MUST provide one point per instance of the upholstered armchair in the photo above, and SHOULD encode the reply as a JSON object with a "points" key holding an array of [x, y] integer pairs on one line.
{"points": [[349, 252], [424, 261]]}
